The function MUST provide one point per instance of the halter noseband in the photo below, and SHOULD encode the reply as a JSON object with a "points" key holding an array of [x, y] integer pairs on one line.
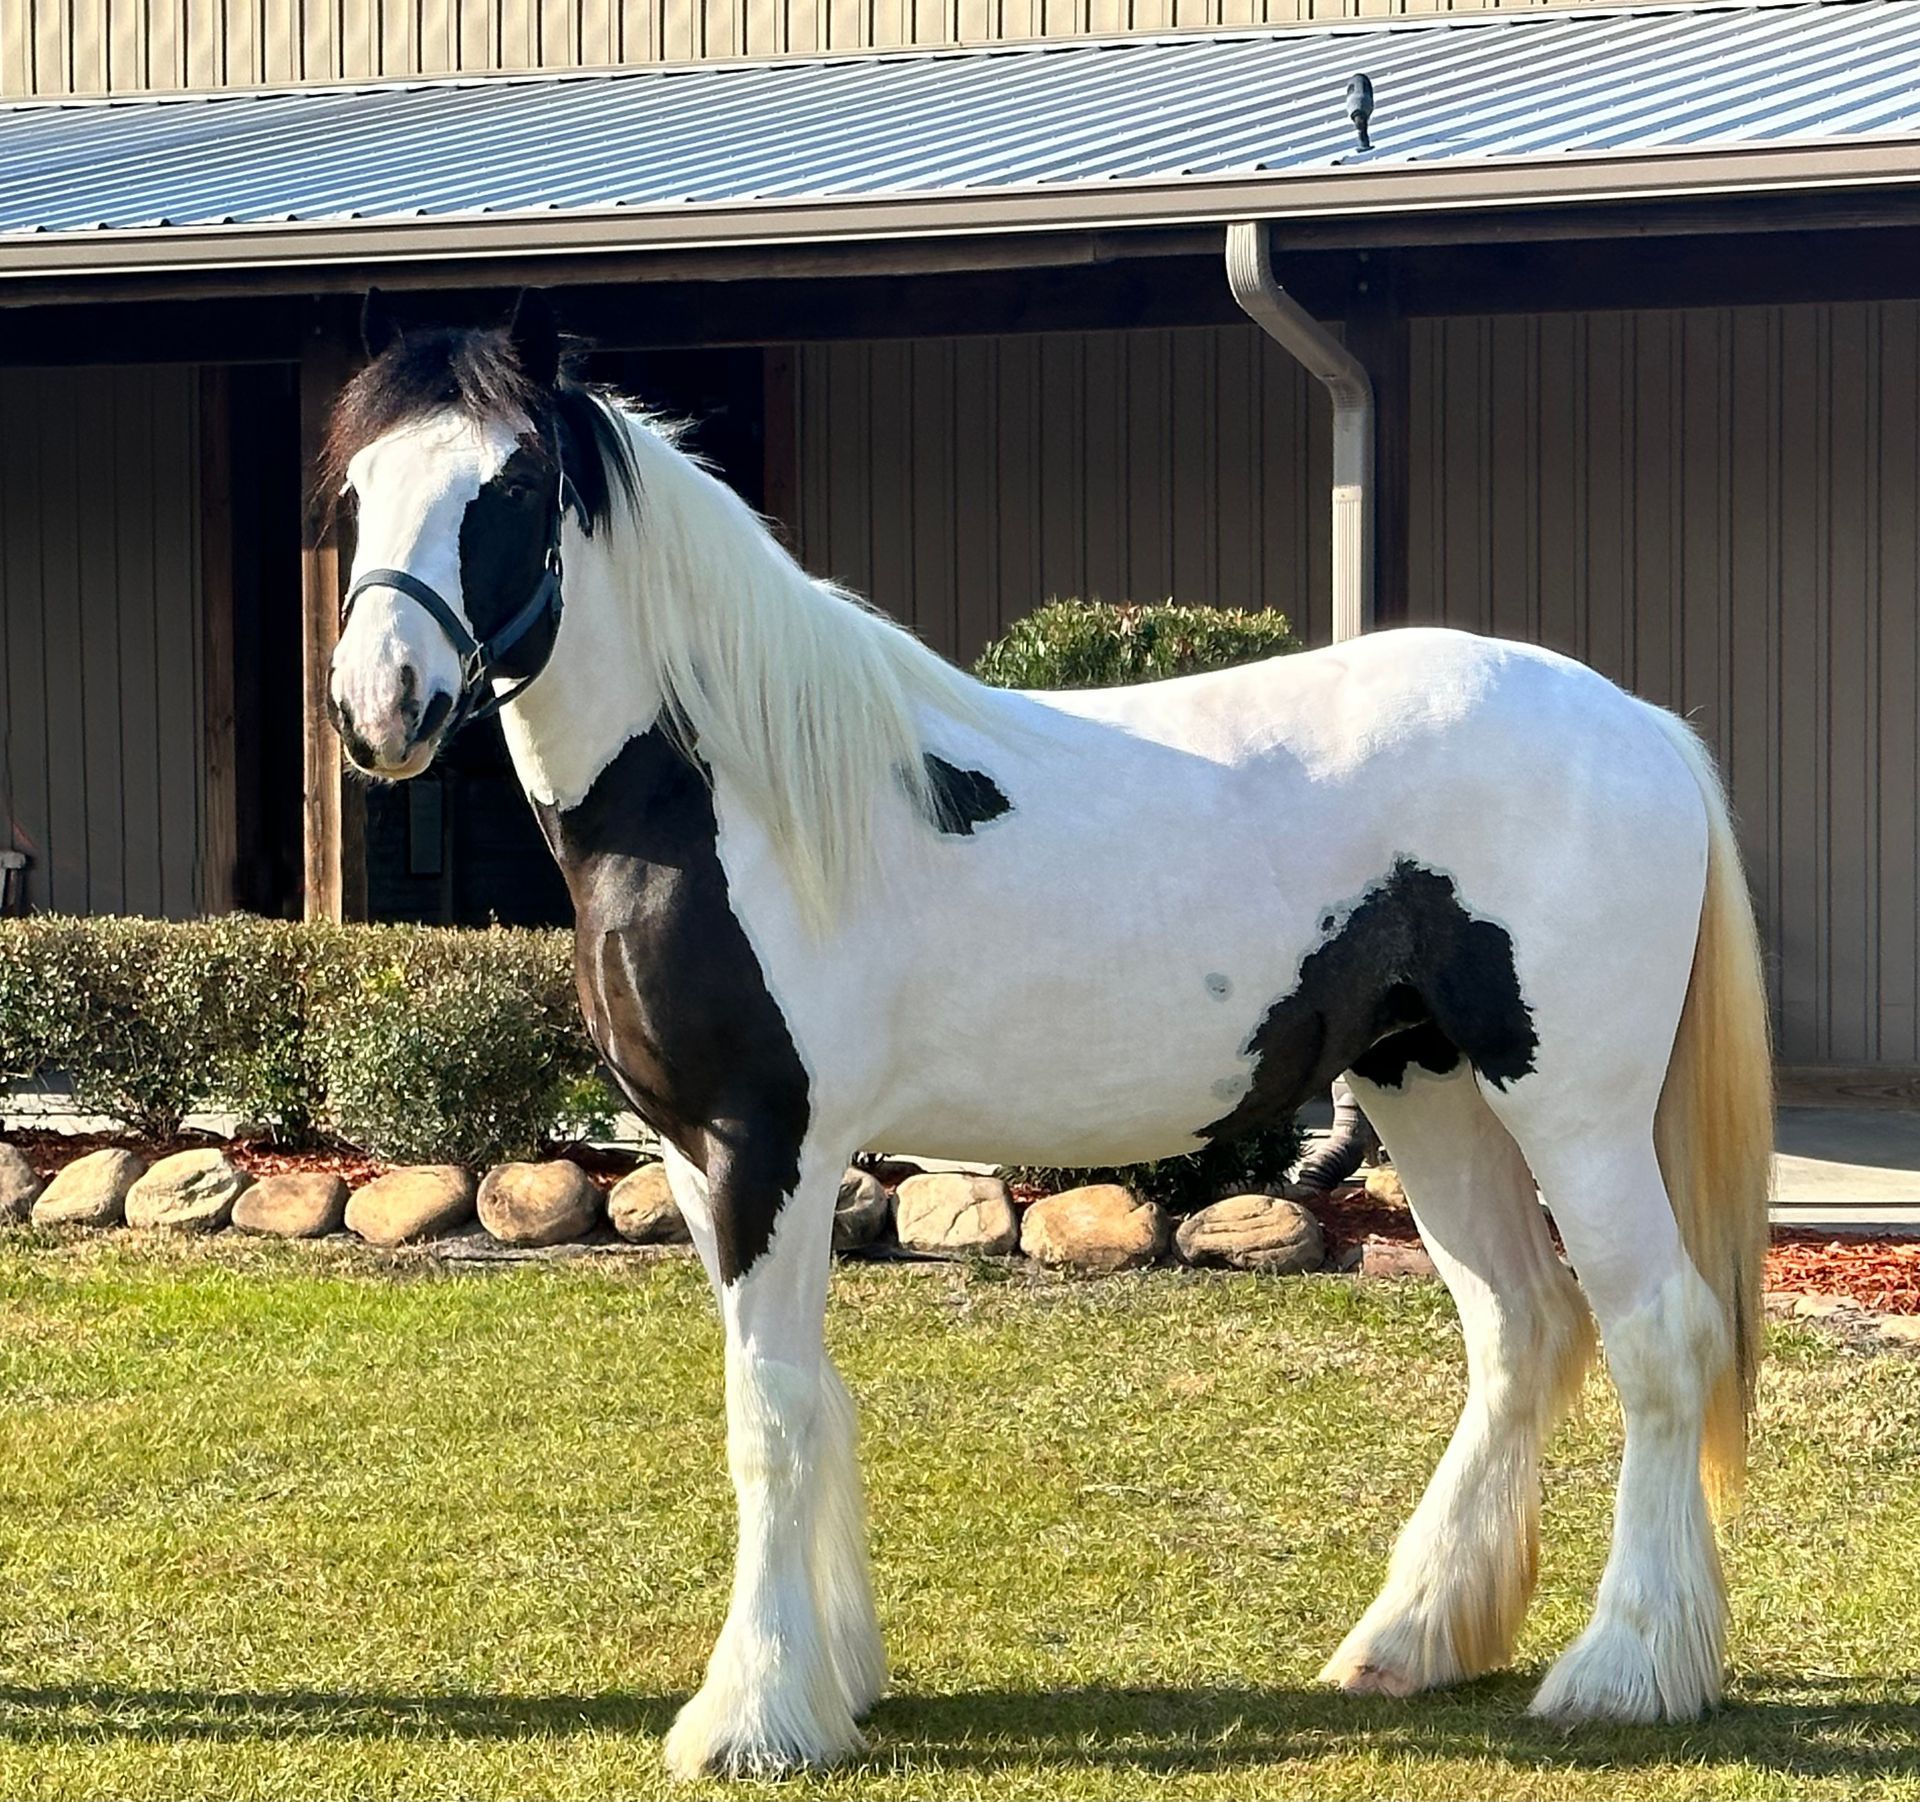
{"points": [[476, 699]]}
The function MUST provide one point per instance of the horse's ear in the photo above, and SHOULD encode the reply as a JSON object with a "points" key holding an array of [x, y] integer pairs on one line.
{"points": [[535, 338], [379, 330]]}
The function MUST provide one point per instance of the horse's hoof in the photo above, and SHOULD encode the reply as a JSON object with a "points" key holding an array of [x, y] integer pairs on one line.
{"points": [[1610, 1673], [1363, 1679], [722, 1732]]}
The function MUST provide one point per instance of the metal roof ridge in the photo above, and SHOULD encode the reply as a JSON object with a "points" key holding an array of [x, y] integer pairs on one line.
{"points": [[1490, 18]]}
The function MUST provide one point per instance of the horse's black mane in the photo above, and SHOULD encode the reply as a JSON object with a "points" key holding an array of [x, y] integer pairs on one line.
{"points": [[476, 372]]}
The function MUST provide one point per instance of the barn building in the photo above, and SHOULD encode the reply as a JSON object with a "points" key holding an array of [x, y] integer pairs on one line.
{"points": [[1635, 291]]}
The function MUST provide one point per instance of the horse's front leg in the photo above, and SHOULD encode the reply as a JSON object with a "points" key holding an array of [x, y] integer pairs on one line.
{"points": [[800, 1651]]}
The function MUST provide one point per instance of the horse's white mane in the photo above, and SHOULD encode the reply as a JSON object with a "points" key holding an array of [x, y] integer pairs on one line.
{"points": [[800, 697]]}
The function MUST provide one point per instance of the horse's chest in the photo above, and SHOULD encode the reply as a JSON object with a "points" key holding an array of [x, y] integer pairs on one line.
{"points": [[673, 993]]}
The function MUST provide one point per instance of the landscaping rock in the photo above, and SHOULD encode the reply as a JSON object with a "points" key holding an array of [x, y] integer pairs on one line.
{"points": [[1253, 1232], [190, 1192], [1822, 1307], [860, 1211], [420, 1202], [538, 1204], [20, 1184], [1383, 1186], [644, 1211], [91, 1191], [1901, 1329], [955, 1215], [1387, 1257], [297, 1204], [1103, 1227]]}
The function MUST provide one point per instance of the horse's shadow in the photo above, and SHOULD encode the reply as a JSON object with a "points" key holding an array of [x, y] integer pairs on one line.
{"points": [[1800, 1727]]}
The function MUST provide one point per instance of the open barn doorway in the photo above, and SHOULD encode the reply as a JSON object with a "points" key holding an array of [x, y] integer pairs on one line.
{"points": [[458, 846]]}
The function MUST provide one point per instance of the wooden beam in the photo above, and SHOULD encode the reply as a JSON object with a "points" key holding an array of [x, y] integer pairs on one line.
{"points": [[780, 442], [219, 795], [334, 808], [1376, 333], [640, 269]]}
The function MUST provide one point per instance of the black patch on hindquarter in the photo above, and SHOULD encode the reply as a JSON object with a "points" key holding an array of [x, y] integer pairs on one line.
{"points": [[1407, 977], [963, 799], [675, 999], [503, 553]]}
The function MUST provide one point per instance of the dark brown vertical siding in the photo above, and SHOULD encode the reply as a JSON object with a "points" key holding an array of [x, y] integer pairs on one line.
{"points": [[960, 483], [1717, 509], [100, 633]]}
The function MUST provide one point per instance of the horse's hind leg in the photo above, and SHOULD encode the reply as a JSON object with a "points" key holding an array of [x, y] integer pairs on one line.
{"points": [[1654, 1647], [1463, 1567]]}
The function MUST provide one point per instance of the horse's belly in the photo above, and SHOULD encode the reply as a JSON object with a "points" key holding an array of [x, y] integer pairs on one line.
{"points": [[1070, 1085]]}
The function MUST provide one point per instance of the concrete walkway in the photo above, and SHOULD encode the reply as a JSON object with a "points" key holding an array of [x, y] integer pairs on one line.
{"points": [[1838, 1169], [1848, 1168]]}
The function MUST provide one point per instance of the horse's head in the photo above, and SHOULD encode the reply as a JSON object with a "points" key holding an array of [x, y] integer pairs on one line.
{"points": [[456, 449]]}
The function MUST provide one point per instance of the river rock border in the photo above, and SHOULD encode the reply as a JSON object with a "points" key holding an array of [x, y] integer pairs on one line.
{"points": [[553, 1208]]}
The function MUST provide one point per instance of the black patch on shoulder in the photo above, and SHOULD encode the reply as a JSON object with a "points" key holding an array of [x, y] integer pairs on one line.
{"points": [[963, 799], [1407, 977], [674, 996]]}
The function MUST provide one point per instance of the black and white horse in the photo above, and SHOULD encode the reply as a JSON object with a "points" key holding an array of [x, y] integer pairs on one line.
{"points": [[831, 893]]}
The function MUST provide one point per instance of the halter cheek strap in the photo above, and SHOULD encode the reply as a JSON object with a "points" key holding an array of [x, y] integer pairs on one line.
{"points": [[476, 699]]}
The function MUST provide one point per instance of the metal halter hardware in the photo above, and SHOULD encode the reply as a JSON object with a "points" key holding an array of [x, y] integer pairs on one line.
{"points": [[477, 659]]}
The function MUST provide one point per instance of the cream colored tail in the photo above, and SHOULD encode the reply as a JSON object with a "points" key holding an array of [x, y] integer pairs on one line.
{"points": [[1714, 1128]]}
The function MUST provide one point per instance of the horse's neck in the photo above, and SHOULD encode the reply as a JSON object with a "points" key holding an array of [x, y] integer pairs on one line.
{"points": [[593, 696]]}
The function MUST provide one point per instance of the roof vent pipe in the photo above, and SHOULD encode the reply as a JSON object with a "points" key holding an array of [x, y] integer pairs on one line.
{"points": [[1323, 356]]}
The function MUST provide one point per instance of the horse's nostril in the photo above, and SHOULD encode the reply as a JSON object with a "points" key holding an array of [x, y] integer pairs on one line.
{"points": [[435, 716]]}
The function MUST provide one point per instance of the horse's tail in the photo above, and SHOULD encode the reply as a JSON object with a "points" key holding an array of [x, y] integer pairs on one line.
{"points": [[1714, 1128]]}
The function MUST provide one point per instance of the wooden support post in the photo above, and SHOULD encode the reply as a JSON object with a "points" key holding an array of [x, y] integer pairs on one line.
{"points": [[1376, 333], [219, 791], [780, 442], [335, 808]]}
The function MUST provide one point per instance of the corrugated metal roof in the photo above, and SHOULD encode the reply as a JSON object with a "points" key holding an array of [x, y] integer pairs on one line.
{"points": [[1253, 111]]}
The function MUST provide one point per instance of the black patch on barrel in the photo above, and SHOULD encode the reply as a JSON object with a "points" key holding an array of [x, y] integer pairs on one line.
{"points": [[675, 998], [963, 799], [1408, 976]]}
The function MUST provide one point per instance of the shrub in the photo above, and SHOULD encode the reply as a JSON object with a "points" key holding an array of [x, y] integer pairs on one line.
{"points": [[447, 1045], [150, 1019], [1094, 644], [410, 1042], [1091, 644]]}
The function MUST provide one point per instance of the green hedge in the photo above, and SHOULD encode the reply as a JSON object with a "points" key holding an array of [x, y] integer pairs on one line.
{"points": [[411, 1042], [1094, 644]]}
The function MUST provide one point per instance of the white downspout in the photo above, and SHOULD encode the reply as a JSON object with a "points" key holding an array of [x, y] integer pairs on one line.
{"points": [[1323, 356]]}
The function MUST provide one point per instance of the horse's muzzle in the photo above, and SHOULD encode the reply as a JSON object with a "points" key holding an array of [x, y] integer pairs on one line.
{"points": [[407, 744]]}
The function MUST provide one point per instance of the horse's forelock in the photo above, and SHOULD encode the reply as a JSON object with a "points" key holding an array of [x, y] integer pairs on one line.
{"points": [[475, 373]]}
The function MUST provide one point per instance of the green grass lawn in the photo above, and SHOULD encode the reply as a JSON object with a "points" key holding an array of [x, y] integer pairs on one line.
{"points": [[288, 1523]]}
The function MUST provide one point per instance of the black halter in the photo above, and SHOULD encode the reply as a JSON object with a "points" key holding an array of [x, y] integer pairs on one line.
{"points": [[476, 699]]}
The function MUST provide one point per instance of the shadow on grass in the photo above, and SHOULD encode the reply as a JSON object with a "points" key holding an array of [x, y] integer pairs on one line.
{"points": [[1794, 1726]]}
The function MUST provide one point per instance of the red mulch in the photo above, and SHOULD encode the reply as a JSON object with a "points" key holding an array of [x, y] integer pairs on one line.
{"points": [[1881, 1274], [49, 1151]]}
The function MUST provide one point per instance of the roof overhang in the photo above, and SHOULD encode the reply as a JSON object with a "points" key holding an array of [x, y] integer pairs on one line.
{"points": [[1867, 170]]}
